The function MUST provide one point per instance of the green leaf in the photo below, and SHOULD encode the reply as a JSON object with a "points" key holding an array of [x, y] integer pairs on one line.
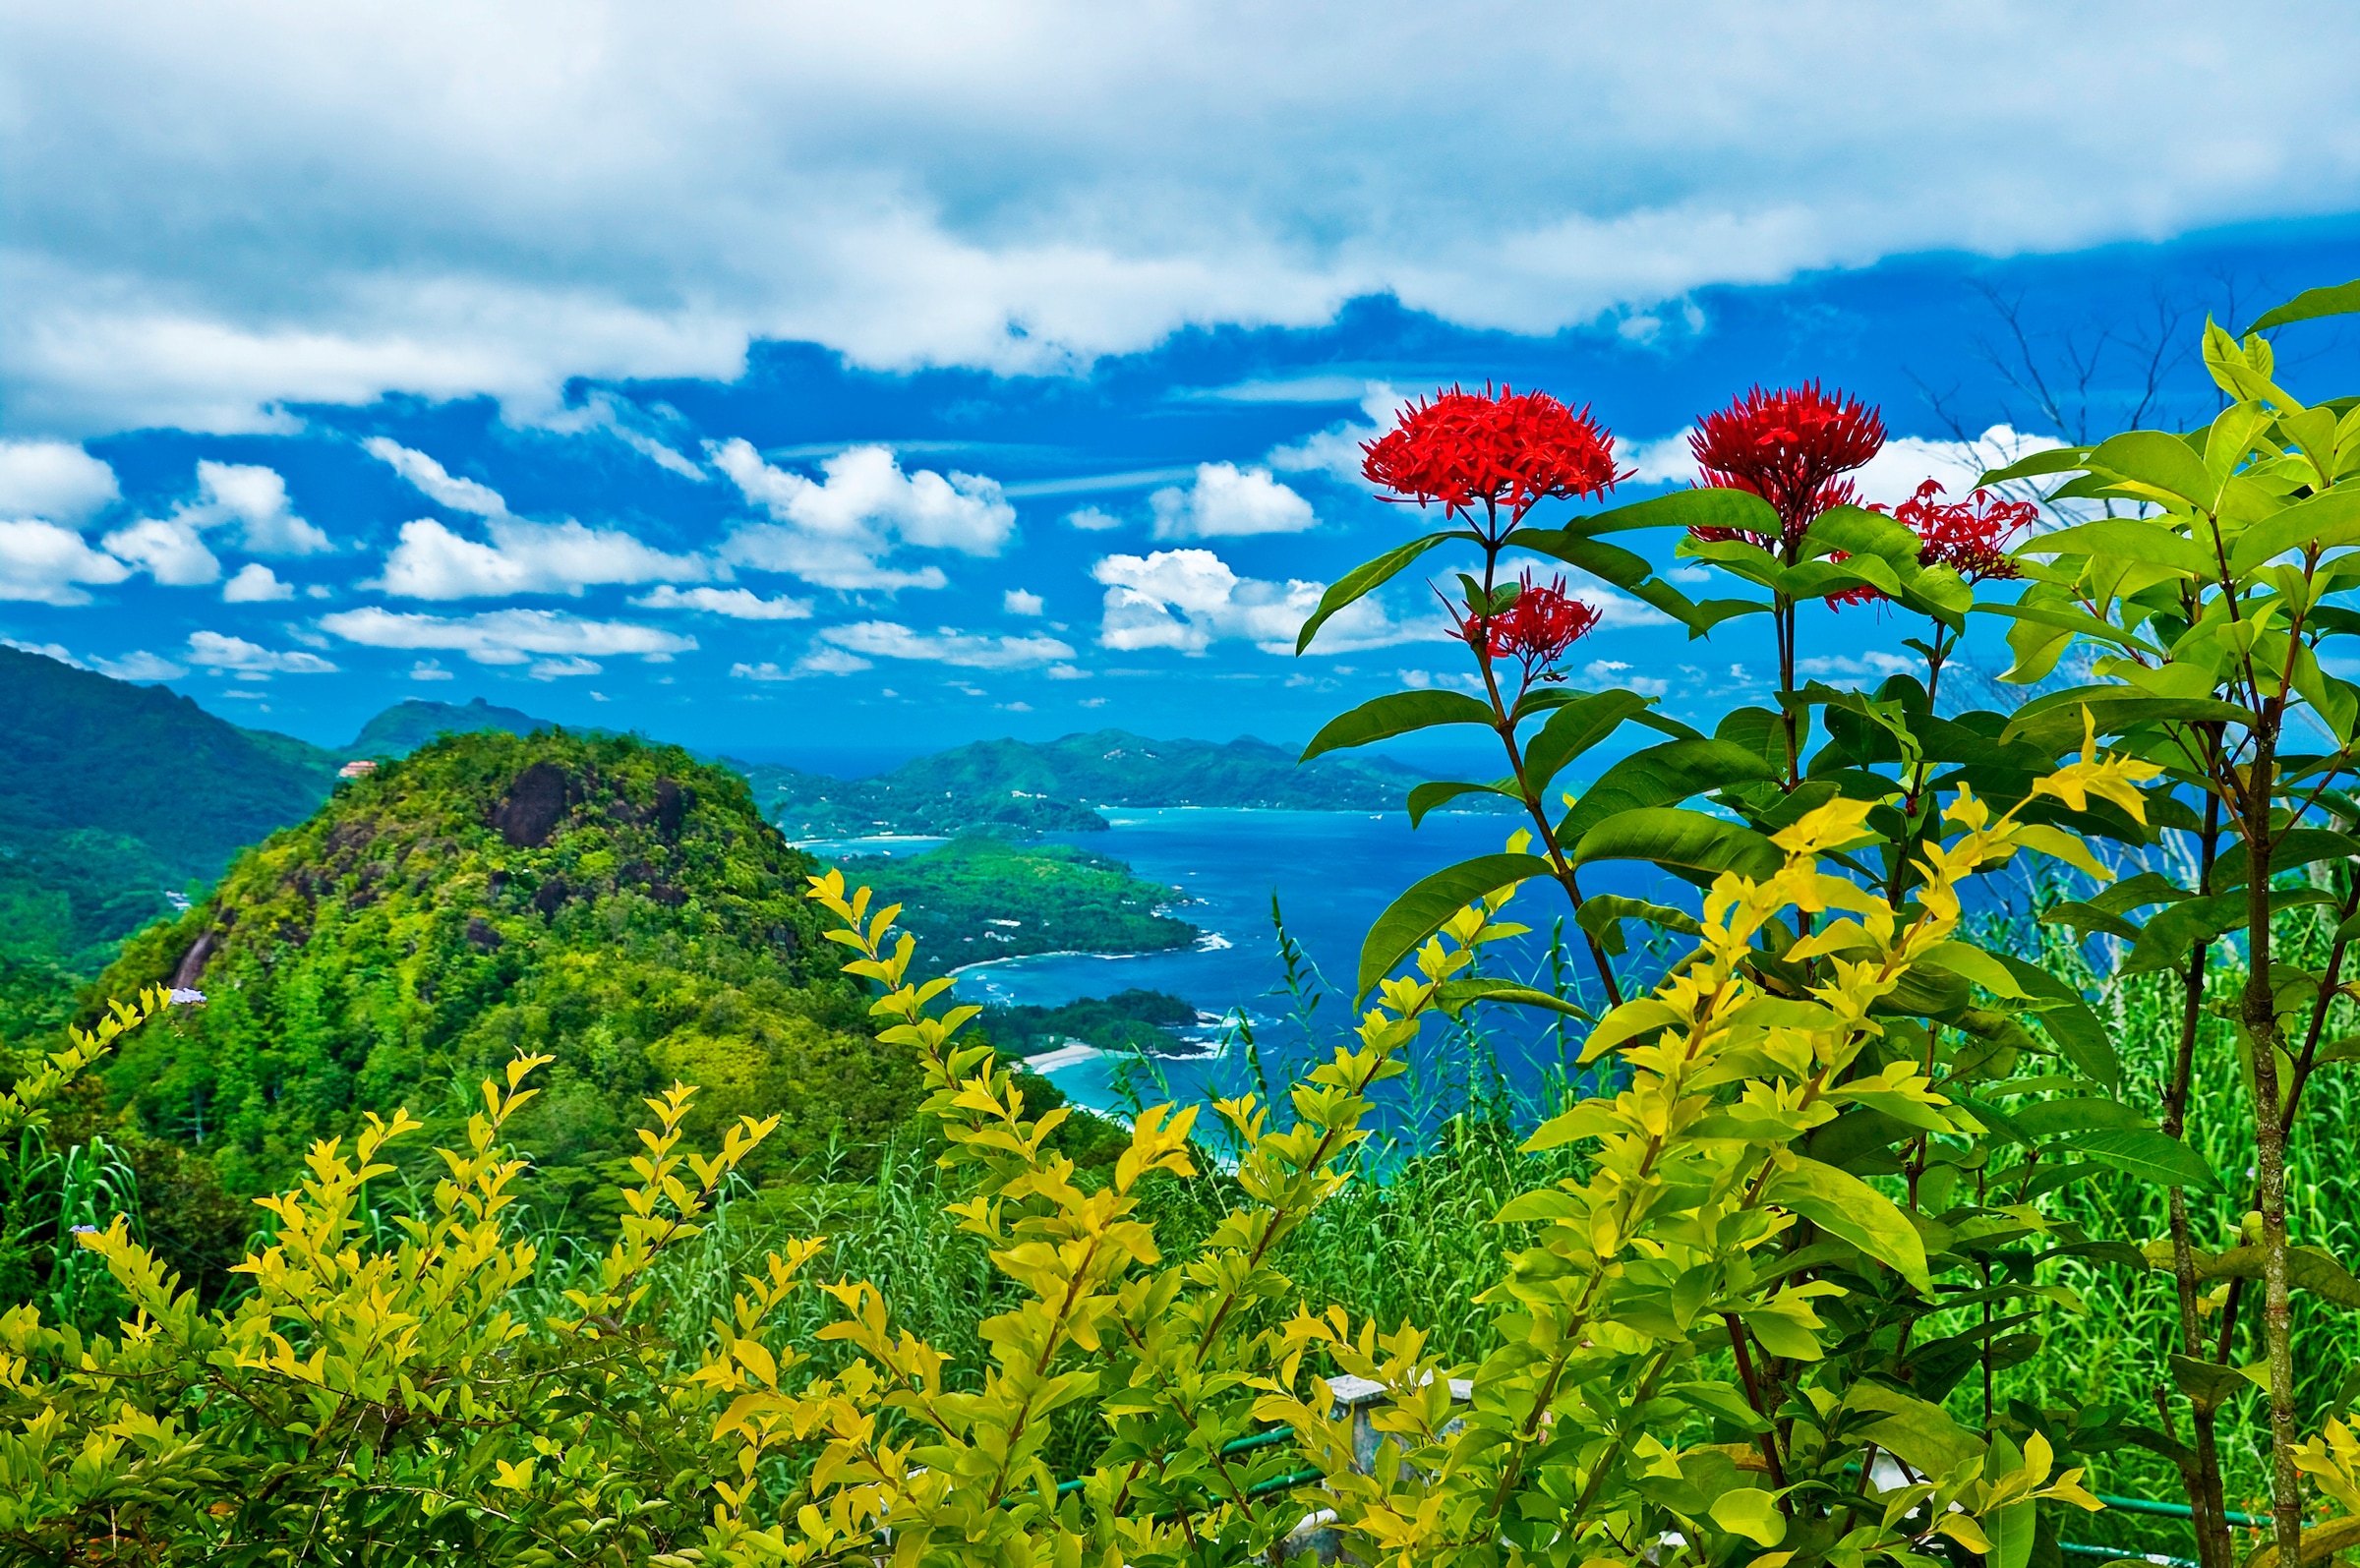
{"points": [[2010, 1530], [1453, 997], [2339, 299], [1368, 576], [2069, 1020], [1664, 776], [1688, 843], [2065, 617], [1751, 1512], [2130, 538], [2328, 521], [2296, 846], [1429, 905], [2149, 1156], [2048, 1118], [2172, 933], [1397, 713], [1842, 1205], [1683, 508], [1602, 916], [2054, 722], [1857, 531], [2163, 463], [1919, 1434], [1426, 797], [1609, 563], [1575, 728], [2056, 460]]}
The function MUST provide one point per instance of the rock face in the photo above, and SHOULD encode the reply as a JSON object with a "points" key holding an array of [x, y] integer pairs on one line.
{"points": [[618, 906]]}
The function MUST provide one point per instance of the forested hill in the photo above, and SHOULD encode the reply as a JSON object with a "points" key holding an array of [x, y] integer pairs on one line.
{"points": [[112, 794], [617, 905], [406, 725], [1051, 786]]}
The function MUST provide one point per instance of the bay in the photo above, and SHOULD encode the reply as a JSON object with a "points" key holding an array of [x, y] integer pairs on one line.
{"points": [[1331, 874]]}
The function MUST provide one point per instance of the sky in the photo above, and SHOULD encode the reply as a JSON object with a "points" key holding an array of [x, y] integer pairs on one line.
{"points": [[842, 385]]}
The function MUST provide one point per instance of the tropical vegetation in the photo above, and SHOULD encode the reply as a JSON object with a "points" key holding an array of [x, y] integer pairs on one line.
{"points": [[1892, 1222]]}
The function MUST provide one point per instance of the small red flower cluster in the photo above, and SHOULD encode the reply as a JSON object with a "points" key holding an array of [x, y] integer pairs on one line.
{"points": [[1501, 450], [1536, 630], [1970, 537], [1791, 447]]}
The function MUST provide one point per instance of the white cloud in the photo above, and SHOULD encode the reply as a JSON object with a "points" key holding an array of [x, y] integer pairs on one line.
{"points": [[56, 651], [430, 670], [826, 661], [885, 639], [504, 636], [1188, 599], [1018, 603], [256, 499], [836, 531], [1665, 460], [1689, 576], [1091, 520], [559, 668], [1066, 672], [524, 558], [1022, 189], [1616, 672], [223, 655], [168, 549], [739, 603], [1868, 668], [761, 671], [53, 480], [255, 584], [431, 480], [1428, 679], [1893, 474], [48, 564], [1337, 451], [1226, 501], [604, 411], [139, 665]]}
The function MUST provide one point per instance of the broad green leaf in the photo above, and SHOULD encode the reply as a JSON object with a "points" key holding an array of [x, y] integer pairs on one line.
{"points": [[1919, 1434], [1705, 508], [1686, 843], [2138, 538], [1609, 563], [2010, 1530], [2054, 722], [1397, 713], [2148, 1156], [2069, 1020], [1453, 997], [1750, 1512], [1368, 576], [1664, 776], [2296, 846], [2171, 934], [1842, 1205], [1428, 797], [2339, 299], [2050, 1118], [1857, 531], [2034, 465], [1575, 728], [2328, 521], [2065, 617], [1602, 916], [2159, 462], [1429, 905]]}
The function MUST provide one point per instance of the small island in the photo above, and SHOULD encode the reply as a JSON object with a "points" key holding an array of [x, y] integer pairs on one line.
{"points": [[979, 898]]}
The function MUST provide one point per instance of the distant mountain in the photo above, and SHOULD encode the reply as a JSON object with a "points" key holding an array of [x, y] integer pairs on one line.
{"points": [[405, 727], [1023, 787], [115, 799]]}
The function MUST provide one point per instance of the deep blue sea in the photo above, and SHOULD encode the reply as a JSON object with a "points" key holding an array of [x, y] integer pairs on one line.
{"points": [[1332, 873]]}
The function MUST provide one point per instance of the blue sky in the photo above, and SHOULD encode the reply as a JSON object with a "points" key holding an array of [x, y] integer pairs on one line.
{"points": [[841, 388]]}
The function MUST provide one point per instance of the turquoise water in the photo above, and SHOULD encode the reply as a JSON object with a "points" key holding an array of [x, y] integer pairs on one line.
{"points": [[1332, 874]]}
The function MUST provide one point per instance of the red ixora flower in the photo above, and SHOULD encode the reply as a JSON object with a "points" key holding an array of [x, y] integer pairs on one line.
{"points": [[1970, 537], [1791, 447], [1536, 630], [1500, 450]]}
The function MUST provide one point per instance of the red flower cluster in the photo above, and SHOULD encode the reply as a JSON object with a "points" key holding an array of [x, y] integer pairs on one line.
{"points": [[1970, 537], [1535, 630], [1506, 449], [1791, 447]]}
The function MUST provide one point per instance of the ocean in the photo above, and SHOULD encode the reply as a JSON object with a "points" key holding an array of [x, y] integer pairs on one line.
{"points": [[1331, 873]]}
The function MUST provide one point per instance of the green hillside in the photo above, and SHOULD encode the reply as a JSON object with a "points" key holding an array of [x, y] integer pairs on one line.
{"points": [[114, 795], [406, 725], [1026, 786], [617, 905], [979, 898]]}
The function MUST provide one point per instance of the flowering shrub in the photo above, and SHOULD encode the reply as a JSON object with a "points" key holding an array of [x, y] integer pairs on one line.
{"points": [[1498, 450]]}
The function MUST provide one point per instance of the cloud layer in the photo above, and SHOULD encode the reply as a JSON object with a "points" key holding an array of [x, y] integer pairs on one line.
{"points": [[448, 198]]}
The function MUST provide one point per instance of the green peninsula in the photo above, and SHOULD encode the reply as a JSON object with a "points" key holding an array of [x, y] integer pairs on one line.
{"points": [[982, 897]]}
